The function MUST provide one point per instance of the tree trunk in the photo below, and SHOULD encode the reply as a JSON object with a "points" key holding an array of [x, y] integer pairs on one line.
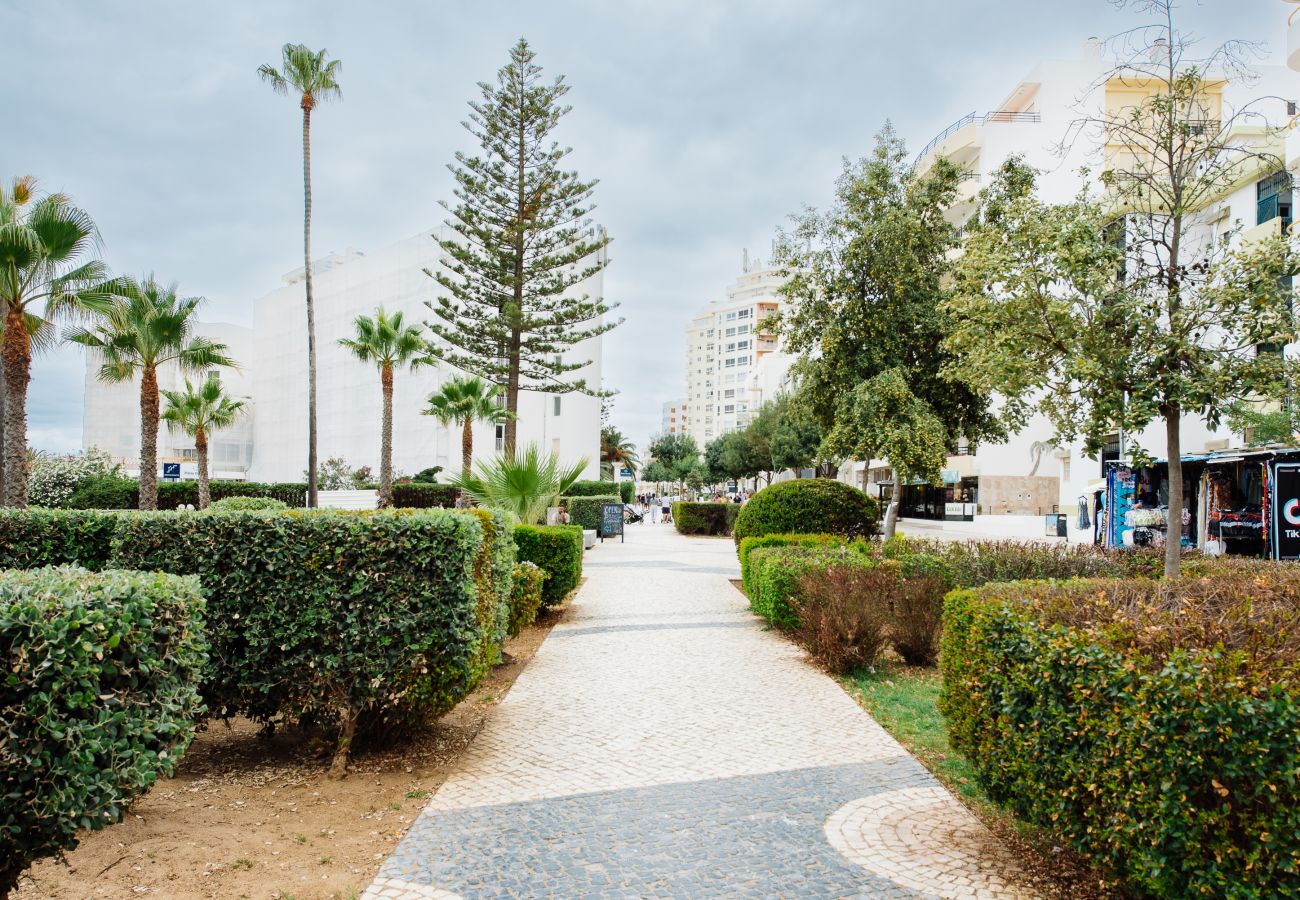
{"points": [[17, 360], [466, 446], [1174, 520], [386, 441], [201, 448], [347, 731], [517, 311], [148, 438], [311, 304], [891, 517]]}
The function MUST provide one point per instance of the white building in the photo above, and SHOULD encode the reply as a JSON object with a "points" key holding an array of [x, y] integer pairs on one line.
{"points": [[349, 403], [734, 363], [676, 417]]}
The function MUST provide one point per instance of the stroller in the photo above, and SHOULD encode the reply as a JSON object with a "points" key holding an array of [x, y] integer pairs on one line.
{"points": [[630, 514]]}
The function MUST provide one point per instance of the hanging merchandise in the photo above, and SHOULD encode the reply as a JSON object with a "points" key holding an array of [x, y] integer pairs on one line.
{"points": [[1083, 522], [1119, 498]]}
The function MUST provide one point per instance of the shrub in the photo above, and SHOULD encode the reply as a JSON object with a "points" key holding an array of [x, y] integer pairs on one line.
{"points": [[43, 537], [174, 494], [105, 492], [777, 540], [705, 518], [842, 612], [334, 616], [585, 511], [808, 506], [916, 609], [51, 480], [422, 495], [627, 491], [246, 504], [99, 698], [1154, 725], [557, 551], [525, 596], [776, 574], [591, 489], [494, 578]]}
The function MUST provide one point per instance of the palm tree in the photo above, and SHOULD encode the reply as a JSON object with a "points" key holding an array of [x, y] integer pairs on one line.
{"points": [[147, 327], [615, 450], [199, 412], [48, 262], [388, 342], [525, 485], [312, 78], [462, 401]]}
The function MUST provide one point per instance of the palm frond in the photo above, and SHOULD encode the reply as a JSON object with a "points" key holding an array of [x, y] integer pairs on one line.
{"points": [[524, 484]]}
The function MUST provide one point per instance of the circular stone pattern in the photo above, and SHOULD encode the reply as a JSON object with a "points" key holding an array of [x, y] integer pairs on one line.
{"points": [[925, 840]]}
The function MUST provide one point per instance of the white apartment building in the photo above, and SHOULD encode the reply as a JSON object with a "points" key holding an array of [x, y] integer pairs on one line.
{"points": [[676, 417], [1006, 489], [273, 354], [734, 363]]}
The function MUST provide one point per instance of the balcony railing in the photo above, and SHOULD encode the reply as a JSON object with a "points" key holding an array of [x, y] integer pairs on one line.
{"points": [[975, 119]]}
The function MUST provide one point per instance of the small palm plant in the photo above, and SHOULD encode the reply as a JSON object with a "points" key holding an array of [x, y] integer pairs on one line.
{"points": [[523, 484], [147, 327], [389, 343], [199, 412], [462, 401]]}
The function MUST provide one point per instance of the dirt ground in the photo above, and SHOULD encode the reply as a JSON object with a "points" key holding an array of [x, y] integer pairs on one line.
{"points": [[255, 817]]}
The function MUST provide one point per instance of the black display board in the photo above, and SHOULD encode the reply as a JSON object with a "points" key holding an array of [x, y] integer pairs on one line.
{"points": [[611, 520], [1286, 511]]}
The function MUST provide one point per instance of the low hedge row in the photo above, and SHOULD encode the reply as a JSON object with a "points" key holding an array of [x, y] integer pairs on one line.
{"points": [[1154, 726], [808, 506], [626, 490], [113, 492], [247, 504], [557, 551], [32, 538], [585, 511], [749, 544], [418, 495], [99, 698], [705, 518], [525, 596]]}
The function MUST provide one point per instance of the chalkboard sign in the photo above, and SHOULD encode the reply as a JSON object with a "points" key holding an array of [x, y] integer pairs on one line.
{"points": [[611, 520]]}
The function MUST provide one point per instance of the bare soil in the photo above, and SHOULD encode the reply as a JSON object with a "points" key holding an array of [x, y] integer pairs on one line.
{"points": [[256, 817]]}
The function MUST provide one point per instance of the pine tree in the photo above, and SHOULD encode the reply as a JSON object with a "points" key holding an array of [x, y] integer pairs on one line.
{"points": [[523, 239]]}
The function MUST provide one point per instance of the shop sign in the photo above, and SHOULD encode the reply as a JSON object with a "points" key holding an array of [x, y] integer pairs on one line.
{"points": [[1286, 510], [949, 476]]}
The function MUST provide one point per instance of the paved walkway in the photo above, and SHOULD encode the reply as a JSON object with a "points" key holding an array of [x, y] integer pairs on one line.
{"points": [[662, 744]]}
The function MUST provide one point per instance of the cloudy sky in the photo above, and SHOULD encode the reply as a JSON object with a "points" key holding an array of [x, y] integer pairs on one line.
{"points": [[706, 121]]}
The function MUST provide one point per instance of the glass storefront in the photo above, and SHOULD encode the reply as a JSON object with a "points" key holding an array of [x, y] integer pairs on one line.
{"points": [[954, 502]]}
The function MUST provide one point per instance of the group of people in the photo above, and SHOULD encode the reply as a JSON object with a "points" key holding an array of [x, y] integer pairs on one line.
{"points": [[655, 508]]}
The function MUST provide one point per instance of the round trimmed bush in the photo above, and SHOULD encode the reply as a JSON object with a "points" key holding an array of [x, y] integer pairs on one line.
{"points": [[808, 506], [247, 504]]}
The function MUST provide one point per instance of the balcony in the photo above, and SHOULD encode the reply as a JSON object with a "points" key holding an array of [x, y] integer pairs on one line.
{"points": [[952, 137]]}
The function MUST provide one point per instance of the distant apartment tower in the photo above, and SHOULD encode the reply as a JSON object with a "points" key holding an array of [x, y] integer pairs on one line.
{"points": [[676, 417], [733, 362]]}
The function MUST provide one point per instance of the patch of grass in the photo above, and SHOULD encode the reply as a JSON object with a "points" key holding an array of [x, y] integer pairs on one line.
{"points": [[394, 806], [242, 863], [300, 838], [324, 860], [417, 794]]}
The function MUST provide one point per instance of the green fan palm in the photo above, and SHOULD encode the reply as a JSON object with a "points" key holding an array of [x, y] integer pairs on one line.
{"points": [[616, 449], [524, 485], [49, 268], [149, 326], [199, 412], [311, 77], [388, 342], [462, 401]]}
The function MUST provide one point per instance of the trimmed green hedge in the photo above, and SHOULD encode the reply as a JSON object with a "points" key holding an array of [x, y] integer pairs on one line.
{"points": [[100, 696], [525, 596], [808, 506], [705, 518], [625, 489], [31, 538], [557, 551], [775, 573], [750, 544], [1154, 726], [417, 495], [247, 504], [585, 511], [112, 492]]}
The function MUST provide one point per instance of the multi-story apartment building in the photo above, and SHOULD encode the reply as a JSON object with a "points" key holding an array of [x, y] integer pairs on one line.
{"points": [[676, 417], [270, 442], [733, 357]]}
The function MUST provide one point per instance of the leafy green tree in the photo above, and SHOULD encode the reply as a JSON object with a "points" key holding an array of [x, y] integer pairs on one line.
{"points": [[524, 484], [658, 472], [738, 457], [49, 269], [311, 77], [198, 412], [523, 240], [616, 450], [713, 459], [1260, 427], [866, 290], [882, 419], [464, 400], [676, 454], [389, 343], [147, 327]]}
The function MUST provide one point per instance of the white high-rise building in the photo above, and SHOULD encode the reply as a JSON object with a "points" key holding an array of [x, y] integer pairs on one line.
{"points": [[676, 417], [273, 355]]}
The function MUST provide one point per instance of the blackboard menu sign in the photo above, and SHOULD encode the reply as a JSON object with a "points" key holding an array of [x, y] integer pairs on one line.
{"points": [[611, 520]]}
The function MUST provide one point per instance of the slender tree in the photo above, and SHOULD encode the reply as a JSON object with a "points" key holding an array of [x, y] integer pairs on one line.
{"points": [[462, 401], [198, 412], [312, 78], [49, 269], [523, 241], [147, 327], [388, 342]]}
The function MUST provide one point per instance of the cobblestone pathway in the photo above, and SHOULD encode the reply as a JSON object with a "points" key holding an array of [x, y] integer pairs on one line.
{"points": [[662, 744]]}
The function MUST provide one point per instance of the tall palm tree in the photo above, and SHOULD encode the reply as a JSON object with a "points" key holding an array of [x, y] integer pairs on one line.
{"points": [[389, 343], [147, 327], [312, 78], [462, 401], [199, 412], [49, 268], [616, 449]]}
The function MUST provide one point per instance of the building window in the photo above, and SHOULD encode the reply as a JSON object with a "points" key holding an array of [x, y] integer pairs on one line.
{"points": [[731, 317], [731, 362], [742, 360], [743, 329], [190, 453], [742, 345], [501, 438], [729, 393], [729, 408], [744, 314]]}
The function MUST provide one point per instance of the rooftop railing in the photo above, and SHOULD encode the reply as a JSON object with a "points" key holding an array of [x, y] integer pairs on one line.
{"points": [[975, 119]]}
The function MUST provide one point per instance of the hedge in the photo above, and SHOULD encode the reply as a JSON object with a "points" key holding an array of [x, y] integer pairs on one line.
{"points": [[417, 495], [626, 490], [99, 698], [1154, 725], [33, 538], [705, 518], [112, 492], [585, 511], [363, 619], [750, 544], [776, 571], [525, 596], [247, 504], [808, 506], [557, 551]]}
